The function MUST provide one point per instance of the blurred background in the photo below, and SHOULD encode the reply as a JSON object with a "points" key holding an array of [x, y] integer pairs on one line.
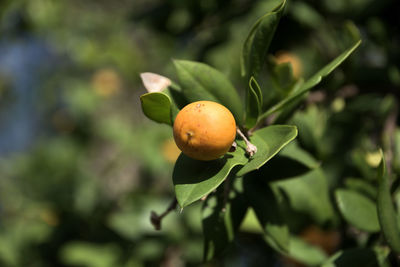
{"points": [[81, 168]]}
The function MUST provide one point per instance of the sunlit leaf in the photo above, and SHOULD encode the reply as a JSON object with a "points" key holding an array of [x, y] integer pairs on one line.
{"points": [[269, 141], [202, 82], [305, 253], [194, 179], [157, 107]]}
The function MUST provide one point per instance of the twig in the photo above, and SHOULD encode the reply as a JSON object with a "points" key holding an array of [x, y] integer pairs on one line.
{"points": [[250, 148], [156, 219]]}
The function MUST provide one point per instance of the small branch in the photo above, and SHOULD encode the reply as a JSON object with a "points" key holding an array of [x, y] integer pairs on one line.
{"points": [[156, 219], [250, 148]]}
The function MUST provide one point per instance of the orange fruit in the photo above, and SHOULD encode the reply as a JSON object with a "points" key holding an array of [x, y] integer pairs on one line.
{"points": [[287, 57], [106, 82], [204, 130]]}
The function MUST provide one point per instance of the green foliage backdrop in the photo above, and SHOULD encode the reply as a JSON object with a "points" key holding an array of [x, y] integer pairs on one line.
{"points": [[85, 175]]}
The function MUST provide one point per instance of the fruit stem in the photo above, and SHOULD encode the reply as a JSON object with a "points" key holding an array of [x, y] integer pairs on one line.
{"points": [[250, 148]]}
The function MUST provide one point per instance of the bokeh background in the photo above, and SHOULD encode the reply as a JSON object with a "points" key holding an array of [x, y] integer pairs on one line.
{"points": [[81, 168]]}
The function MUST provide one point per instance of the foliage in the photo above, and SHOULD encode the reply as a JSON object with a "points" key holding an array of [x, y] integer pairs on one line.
{"points": [[83, 173]]}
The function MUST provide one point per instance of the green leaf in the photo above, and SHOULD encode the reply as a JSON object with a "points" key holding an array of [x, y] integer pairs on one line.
{"points": [[352, 257], [250, 223], [90, 254], [157, 107], [309, 194], [269, 141], [314, 80], [361, 186], [222, 219], [386, 210], [255, 47], [202, 82], [267, 209], [305, 253], [295, 152], [178, 100], [357, 210], [253, 103], [291, 155], [282, 75], [194, 179]]}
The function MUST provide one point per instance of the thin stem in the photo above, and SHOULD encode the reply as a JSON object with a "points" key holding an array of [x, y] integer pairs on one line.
{"points": [[250, 148], [156, 219]]}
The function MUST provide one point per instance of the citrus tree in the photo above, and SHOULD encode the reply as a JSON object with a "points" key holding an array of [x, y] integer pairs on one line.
{"points": [[267, 177]]}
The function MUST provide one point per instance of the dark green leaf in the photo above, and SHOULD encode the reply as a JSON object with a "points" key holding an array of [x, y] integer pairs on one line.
{"points": [[357, 210], [314, 80], [221, 220], [295, 152], [269, 141], [386, 211], [267, 209], [194, 179], [253, 103], [256, 45], [202, 82], [157, 107], [291, 155], [309, 194], [364, 257], [282, 75]]}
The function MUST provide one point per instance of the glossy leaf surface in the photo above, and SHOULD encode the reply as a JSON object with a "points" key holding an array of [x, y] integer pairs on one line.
{"points": [[202, 82], [194, 179], [157, 107], [269, 141]]}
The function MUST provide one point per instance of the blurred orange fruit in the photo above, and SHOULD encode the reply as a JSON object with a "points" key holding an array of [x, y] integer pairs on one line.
{"points": [[287, 57], [170, 150], [106, 82], [49, 217], [327, 240], [204, 130]]}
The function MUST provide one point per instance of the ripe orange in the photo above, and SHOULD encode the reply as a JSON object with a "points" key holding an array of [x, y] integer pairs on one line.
{"points": [[204, 130]]}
